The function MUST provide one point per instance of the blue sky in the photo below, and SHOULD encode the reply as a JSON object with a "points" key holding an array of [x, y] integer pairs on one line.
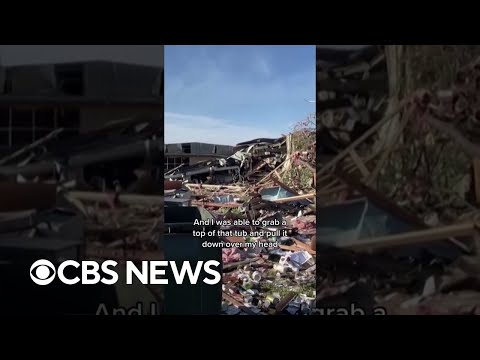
{"points": [[230, 94]]}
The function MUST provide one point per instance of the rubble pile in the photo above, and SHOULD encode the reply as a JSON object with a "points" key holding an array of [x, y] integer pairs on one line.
{"points": [[352, 94], [252, 160], [103, 167], [107, 158], [262, 200], [407, 243], [124, 229], [90, 196]]}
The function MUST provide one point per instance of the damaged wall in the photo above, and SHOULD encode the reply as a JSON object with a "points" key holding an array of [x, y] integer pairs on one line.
{"points": [[95, 79], [193, 153], [119, 80], [79, 97]]}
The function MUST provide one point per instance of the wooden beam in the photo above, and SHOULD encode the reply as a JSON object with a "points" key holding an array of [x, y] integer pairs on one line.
{"points": [[386, 151], [215, 187], [359, 163], [382, 202], [304, 246], [285, 301], [237, 264], [31, 146], [360, 140], [238, 304], [277, 181], [215, 205], [378, 199], [295, 198]]}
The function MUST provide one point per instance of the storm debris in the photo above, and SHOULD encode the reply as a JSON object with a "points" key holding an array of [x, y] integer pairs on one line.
{"points": [[405, 189], [262, 198]]}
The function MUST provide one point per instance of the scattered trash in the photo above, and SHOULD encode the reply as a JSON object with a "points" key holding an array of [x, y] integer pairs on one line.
{"points": [[263, 200]]}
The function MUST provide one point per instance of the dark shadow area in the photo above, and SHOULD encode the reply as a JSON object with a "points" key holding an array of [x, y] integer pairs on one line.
{"points": [[81, 158], [398, 180]]}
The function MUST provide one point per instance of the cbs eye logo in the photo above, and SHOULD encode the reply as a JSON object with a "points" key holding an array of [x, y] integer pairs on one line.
{"points": [[42, 272]]}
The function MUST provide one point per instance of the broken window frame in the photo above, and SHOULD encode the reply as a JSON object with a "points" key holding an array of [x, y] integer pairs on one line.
{"points": [[37, 132]]}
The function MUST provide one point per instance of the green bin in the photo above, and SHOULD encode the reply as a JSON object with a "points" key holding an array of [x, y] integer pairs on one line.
{"points": [[179, 245]]}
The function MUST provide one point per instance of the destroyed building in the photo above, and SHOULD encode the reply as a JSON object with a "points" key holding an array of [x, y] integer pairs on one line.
{"points": [[192, 153], [227, 164], [256, 180], [81, 145], [65, 108], [78, 97]]}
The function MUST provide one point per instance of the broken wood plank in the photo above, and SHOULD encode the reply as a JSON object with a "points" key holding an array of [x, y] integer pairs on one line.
{"points": [[258, 167], [359, 163], [215, 205], [238, 263], [238, 304], [304, 246], [386, 151], [215, 187], [77, 203], [31, 146], [285, 301], [79, 160], [361, 139], [295, 198], [277, 181], [266, 177], [384, 203], [359, 67], [413, 238], [173, 170]]}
